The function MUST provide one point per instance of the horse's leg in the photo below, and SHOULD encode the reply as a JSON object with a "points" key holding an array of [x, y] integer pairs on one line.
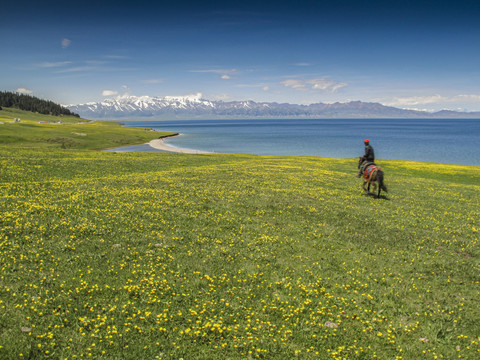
{"points": [[374, 183], [380, 181]]}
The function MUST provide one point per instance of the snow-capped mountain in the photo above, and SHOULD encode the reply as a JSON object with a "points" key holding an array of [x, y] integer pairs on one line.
{"points": [[193, 106], [142, 106]]}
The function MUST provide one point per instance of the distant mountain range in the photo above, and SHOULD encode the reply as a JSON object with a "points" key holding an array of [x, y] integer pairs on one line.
{"points": [[194, 107]]}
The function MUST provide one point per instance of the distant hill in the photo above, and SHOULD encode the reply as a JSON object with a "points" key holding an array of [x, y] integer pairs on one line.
{"points": [[193, 106], [33, 104]]}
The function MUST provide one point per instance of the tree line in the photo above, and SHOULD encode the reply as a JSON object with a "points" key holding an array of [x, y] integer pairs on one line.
{"points": [[33, 104]]}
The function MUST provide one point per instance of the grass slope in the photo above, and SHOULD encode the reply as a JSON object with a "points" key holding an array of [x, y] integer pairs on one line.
{"points": [[160, 255], [45, 131]]}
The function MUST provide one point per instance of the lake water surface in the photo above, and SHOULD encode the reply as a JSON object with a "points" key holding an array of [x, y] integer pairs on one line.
{"points": [[452, 141]]}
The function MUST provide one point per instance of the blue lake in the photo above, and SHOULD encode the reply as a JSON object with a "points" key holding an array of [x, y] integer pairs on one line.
{"points": [[452, 141]]}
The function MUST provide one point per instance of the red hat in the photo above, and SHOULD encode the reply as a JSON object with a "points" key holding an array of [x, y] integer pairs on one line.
{"points": [[366, 141]]}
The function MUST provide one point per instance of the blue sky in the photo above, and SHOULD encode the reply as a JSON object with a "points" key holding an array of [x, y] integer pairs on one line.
{"points": [[409, 54]]}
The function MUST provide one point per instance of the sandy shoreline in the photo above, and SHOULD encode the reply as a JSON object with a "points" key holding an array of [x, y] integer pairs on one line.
{"points": [[159, 144]]}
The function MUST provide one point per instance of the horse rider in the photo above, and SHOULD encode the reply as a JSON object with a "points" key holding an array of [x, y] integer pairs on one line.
{"points": [[368, 158]]}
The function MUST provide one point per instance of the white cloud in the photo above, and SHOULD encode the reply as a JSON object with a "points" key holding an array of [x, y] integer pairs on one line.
{"points": [[90, 67], [225, 73], [216, 71], [432, 99], [327, 85], [220, 97], [23, 91], [54, 64], [463, 102], [471, 97], [295, 84], [66, 43], [417, 100], [313, 84], [109, 92], [126, 90], [76, 69]]}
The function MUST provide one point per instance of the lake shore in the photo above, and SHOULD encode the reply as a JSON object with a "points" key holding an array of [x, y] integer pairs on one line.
{"points": [[159, 144], [423, 140]]}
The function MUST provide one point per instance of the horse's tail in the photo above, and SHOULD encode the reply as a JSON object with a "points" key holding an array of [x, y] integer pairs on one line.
{"points": [[381, 184]]}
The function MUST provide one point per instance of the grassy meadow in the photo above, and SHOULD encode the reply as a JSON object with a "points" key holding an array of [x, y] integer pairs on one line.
{"points": [[65, 132], [220, 256]]}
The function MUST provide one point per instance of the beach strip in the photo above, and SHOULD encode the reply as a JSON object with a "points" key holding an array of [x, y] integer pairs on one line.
{"points": [[159, 144]]}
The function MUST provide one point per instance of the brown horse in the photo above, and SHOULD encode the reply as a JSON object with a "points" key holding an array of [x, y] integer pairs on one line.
{"points": [[372, 174]]}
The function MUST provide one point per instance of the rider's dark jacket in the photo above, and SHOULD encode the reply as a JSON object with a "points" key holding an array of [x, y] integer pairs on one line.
{"points": [[369, 154]]}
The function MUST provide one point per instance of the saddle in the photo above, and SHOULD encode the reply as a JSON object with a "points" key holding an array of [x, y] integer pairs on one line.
{"points": [[369, 170]]}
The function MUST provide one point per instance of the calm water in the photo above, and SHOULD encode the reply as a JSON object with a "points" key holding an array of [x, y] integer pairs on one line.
{"points": [[434, 140]]}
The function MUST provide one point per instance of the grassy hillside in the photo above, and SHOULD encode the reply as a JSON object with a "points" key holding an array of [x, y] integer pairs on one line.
{"points": [[45, 131], [144, 256], [8, 114]]}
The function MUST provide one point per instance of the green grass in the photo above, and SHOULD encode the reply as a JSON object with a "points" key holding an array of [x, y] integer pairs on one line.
{"points": [[220, 256], [8, 114], [44, 131]]}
